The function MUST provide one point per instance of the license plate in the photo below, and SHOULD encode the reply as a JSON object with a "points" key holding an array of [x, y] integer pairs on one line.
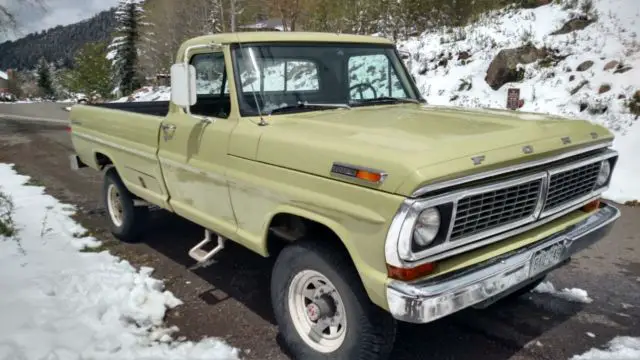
{"points": [[546, 258]]}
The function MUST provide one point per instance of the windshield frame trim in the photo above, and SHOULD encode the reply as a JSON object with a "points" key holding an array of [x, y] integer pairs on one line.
{"points": [[236, 46]]}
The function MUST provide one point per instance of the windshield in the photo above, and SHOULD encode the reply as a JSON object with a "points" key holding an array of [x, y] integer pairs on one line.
{"points": [[321, 76]]}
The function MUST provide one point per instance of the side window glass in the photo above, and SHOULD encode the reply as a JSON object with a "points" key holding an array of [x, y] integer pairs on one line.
{"points": [[279, 76], [211, 86], [372, 76]]}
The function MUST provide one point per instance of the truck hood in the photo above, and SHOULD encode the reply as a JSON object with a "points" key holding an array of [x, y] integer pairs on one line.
{"points": [[416, 144]]}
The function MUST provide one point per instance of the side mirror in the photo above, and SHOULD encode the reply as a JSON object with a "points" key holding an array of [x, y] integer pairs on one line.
{"points": [[183, 84]]}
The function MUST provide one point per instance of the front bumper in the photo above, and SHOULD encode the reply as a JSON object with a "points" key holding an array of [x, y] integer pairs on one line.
{"points": [[426, 301]]}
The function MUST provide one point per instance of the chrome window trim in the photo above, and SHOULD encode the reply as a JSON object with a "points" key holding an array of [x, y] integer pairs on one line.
{"points": [[399, 238], [440, 185]]}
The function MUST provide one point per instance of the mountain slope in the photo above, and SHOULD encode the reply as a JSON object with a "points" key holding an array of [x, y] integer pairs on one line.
{"points": [[591, 73], [57, 44]]}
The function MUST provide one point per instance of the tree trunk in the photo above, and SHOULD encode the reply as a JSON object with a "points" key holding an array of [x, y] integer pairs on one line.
{"points": [[233, 15]]}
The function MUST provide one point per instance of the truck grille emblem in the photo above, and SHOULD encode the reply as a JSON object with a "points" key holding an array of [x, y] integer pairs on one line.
{"points": [[477, 160], [527, 149]]}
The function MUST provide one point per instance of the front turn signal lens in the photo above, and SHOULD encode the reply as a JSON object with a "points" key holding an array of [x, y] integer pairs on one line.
{"points": [[409, 274], [369, 176], [592, 206]]}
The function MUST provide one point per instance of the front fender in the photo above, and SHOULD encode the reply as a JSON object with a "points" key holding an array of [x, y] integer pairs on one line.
{"points": [[368, 267]]}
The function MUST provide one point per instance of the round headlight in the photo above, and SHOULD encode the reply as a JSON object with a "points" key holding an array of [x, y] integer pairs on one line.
{"points": [[427, 226], [603, 175]]}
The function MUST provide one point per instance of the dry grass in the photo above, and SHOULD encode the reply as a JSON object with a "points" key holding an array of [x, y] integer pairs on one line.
{"points": [[7, 226]]}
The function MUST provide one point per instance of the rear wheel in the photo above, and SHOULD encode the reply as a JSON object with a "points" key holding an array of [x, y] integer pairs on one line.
{"points": [[322, 309], [126, 221]]}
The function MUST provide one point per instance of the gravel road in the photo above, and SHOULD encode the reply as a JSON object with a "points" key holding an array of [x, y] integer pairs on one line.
{"points": [[230, 299]]}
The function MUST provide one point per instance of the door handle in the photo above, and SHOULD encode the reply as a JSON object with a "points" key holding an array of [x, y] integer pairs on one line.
{"points": [[168, 130]]}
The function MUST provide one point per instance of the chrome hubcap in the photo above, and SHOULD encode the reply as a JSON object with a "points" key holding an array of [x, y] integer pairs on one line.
{"points": [[317, 311], [114, 205]]}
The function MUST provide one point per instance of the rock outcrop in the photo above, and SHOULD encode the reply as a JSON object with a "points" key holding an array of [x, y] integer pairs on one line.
{"points": [[504, 67]]}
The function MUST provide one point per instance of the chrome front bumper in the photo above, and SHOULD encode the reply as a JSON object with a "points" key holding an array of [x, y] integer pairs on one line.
{"points": [[429, 300]]}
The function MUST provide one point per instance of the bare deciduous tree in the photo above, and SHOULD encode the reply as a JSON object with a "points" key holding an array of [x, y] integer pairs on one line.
{"points": [[8, 20]]}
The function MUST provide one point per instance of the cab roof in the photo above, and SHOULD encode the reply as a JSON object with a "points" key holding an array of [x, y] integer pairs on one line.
{"points": [[284, 36]]}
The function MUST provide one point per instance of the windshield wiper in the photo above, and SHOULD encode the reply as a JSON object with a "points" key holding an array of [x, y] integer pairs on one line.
{"points": [[386, 99], [307, 105]]}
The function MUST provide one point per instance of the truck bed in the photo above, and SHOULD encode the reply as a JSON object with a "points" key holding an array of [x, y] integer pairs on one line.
{"points": [[156, 108]]}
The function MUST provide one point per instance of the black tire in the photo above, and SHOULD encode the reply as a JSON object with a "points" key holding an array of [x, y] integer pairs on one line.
{"points": [[134, 218], [370, 331]]}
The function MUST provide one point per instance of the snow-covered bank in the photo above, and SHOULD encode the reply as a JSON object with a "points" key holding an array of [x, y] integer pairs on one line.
{"points": [[60, 303], [148, 93], [573, 294], [620, 348], [450, 66]]}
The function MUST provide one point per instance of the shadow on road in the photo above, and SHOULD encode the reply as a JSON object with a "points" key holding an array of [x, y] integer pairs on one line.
{"points": [[496, 333]]}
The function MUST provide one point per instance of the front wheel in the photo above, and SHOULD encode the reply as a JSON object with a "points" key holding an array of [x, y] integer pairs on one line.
{"points": [[322, 309]]}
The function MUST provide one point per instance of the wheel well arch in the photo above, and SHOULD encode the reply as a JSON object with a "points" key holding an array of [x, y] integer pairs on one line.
{"points": [[287, 227], [102, 160], [291, 225]]}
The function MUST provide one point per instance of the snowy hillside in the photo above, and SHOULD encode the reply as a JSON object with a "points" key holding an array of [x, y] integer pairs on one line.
{"points": [[591, 74]]}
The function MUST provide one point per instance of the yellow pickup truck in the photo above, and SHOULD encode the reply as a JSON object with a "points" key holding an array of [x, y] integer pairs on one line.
{"points": [[318, 150]]}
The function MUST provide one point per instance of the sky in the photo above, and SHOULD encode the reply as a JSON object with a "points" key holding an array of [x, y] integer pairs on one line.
{"points": [[57, 12]]}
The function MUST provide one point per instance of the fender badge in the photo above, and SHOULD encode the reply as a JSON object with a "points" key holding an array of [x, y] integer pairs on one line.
{"points": [[477, 160], [527, 149], [594, 135], [566, 140]]}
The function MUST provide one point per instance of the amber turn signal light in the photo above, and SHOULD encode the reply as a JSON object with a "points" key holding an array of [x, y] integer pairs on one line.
{"points": [[410, 273], [592, 206], [368, 176]]}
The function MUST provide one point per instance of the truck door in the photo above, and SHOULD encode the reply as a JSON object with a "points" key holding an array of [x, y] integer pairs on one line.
{"points": [[193, 148]]}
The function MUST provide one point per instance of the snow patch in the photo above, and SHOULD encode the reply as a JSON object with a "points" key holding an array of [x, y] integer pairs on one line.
{"points": [[573, 294], [148, 93], [620, 348], [59, 302]]}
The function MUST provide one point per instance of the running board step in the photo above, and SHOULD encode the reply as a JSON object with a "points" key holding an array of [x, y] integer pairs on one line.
{"points": [[204, 257]]}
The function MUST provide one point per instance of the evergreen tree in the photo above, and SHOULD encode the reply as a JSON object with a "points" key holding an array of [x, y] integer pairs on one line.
{"points": [[124, 47], [91, 73], [45, 83]]}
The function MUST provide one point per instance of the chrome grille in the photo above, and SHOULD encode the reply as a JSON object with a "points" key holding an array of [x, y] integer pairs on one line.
{"points": [[571, 184], [491, 209]]}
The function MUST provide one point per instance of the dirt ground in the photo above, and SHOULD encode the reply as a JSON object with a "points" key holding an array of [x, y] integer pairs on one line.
{"points": [[230, 299]]}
